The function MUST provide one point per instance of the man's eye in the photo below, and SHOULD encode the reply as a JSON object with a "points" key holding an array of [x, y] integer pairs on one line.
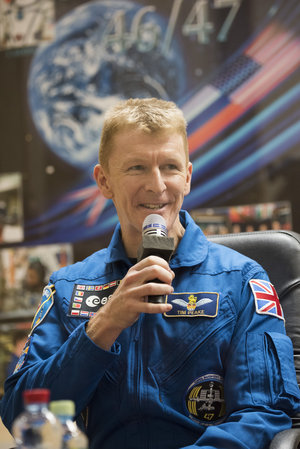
{"points": [[136, 168], [171, 167]]}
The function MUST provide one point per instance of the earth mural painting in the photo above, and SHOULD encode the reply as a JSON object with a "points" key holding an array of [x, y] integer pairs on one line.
{"points": [[92, 65], [235, 83]]}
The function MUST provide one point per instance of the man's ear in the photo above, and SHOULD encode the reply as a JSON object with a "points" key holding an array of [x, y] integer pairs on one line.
{"points": [[188, 179], [102, 179]]}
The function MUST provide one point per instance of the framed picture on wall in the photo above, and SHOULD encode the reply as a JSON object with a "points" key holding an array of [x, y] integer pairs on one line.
{"points": [[244, 218], [24, 272], [11, 208], [25, 23]]}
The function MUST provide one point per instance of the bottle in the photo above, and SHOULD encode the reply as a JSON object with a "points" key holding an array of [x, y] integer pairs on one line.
{"points": [[36, 427], [73, 437]]}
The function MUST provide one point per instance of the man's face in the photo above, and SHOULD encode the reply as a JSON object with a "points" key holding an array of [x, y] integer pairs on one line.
{"points": [[146, 174]]}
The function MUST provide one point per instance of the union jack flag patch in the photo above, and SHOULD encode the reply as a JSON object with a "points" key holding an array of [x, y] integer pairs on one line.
{"points": [[266, 298]]}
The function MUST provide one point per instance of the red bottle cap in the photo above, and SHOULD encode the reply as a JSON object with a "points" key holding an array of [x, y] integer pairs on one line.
{"points": [[37, 395]]}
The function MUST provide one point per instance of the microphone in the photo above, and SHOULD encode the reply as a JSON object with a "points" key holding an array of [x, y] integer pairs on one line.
{"points": [[155, 242]]}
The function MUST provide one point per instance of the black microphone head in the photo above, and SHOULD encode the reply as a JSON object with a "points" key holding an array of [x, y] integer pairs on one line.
{"points": [[155, 224]]}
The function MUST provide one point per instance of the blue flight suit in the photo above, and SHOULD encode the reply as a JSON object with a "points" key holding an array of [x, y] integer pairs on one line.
{"points": [[216, 372]]}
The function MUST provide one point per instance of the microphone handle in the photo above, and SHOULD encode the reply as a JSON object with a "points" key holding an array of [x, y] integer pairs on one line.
{"points": [[153, 245], [157, 299]]}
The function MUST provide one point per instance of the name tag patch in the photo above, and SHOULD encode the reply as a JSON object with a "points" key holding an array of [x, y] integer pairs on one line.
{"points": [[86, 300], [200, 304]]}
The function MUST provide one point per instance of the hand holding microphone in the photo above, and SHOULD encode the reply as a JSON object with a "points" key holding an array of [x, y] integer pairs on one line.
{"points": [[155, 242], [126, 303]]}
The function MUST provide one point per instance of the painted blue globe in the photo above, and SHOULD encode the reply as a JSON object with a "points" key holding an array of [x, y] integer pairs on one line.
{"points": [[103, 52]]}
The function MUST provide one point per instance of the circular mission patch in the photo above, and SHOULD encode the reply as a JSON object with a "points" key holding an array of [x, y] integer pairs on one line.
{"points": [[205, 401]]}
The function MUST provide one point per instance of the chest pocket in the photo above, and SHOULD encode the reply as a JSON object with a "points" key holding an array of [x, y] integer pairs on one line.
{"points": [[198, 347]]}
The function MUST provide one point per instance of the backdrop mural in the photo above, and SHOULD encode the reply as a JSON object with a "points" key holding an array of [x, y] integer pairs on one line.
{"points": [[231, 65]]}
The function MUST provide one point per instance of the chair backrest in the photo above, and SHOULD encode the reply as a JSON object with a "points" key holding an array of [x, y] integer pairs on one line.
{"points": [[279, 254]]}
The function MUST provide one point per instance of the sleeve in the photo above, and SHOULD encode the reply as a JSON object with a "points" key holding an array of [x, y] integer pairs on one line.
{"points": [[70, 365], [261, 390]]}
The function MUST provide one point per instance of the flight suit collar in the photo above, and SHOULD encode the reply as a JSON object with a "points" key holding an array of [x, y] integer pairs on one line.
{"points": [[192, 249], [115, 250]]}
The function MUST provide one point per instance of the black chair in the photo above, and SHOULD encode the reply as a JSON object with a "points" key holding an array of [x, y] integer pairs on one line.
{"points": [[279, 254]]}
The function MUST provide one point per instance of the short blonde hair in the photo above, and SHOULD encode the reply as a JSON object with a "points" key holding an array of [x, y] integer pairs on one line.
{"points": [[149, 115]]}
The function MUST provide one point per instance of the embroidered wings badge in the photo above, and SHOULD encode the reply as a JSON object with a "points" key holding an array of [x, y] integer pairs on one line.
{"points": [[199, 303]]}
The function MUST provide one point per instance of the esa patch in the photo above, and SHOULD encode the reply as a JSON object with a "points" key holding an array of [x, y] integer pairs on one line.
{"points": [[266, 298], [86, 300], [201, 304], [44, 307], [204, 400]]}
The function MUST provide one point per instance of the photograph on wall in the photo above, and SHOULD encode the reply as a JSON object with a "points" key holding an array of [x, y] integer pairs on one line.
{"points": [[244, 218], [25, 23], [24, 272], [11, 208]]}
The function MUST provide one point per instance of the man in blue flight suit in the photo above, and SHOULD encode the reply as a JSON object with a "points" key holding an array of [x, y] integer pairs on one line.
{"points": [[211, 367]]}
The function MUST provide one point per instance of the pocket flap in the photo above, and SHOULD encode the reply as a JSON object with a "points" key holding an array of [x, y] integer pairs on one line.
{"points": [[284, 348]]}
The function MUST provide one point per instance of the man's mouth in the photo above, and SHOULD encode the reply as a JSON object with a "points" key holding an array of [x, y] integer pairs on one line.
{"points": [[153, 206]]}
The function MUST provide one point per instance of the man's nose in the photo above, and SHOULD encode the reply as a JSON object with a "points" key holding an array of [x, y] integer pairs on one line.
{"points": [[155, 181]]}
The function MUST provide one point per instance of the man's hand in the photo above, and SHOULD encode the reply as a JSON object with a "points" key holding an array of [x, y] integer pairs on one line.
{"points": [[131, 299]]}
